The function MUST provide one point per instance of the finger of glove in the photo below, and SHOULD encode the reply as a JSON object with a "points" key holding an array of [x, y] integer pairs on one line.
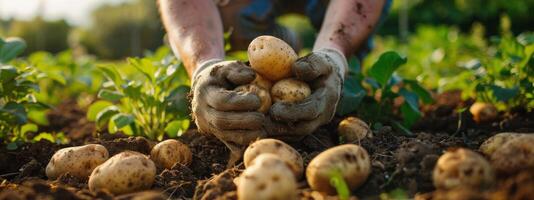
{"points": [[310, 108], [235, 72], [310, 67], [233, 120], [240, 137], [227, 100]]}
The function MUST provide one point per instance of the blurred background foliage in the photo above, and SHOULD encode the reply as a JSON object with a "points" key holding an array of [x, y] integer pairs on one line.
{"points": [[130, 28]]}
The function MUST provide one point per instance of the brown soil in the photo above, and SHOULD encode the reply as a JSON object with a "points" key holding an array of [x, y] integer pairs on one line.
{"points": [[398, 161]]}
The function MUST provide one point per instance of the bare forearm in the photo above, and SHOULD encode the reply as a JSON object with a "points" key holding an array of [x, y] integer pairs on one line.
{"points": [[194, 29], [348, 23]]}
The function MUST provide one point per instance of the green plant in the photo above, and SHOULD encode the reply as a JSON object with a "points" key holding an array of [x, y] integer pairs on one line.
{"points": [[338, 181], [380, 94], [16, 95], [151, 105]]}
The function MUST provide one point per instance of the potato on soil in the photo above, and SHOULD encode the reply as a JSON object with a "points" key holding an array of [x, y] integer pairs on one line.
{"points": [[290, 90], [268, 177], [483, 112], [271, 57], [353, 129], [263, 94], [169, 152], [462, 168], [277, 147], [125, 172], [497, 141], [515, 155], [77, 161], [351, 160]]}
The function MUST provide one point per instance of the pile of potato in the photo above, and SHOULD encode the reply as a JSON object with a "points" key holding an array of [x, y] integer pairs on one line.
{"points": [[125, 172]]}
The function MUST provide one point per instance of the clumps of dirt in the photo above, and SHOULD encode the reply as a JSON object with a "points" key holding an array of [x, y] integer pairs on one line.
{"points": [[115, 146], [220, 186], [70, 119], [209, 154], [177, 182], [69, 180], [39, 189], [29, 159], [416, 159]]}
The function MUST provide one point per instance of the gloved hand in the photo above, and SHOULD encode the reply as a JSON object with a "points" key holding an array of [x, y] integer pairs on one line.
{"points": [[217, 110], [324, 71]]}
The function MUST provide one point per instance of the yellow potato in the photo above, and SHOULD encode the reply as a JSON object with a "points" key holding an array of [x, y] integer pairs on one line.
{"points": [[483, 112], [462, 168], [77, 161], [290, 90], [262, 82], [125, 172], [263, 94], [351, 160], [497, 141], [353, 129], [169, 152], [271, 57], [515, 155], [277, 147], [267, 178]]}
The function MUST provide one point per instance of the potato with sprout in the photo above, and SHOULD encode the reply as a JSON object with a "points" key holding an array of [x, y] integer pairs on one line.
{"points": [[462, 168], [77, 161]]}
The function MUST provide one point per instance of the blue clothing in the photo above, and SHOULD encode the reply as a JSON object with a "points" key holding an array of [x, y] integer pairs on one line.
{"points": [[259, 17]]}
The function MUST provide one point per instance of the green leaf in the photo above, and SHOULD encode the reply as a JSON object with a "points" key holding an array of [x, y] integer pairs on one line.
{"points": [[109, 95], [95, 108], [177, 102], [44, 135], [383, 69], [133, 90], [112, 74], [103, 116], [409, 115], [398, 126], [11, 48], [56, 76], [504, 94], [353, 94], [421, 92], [39, 117], [12, 146], [16, 112], [28, 128], [145, 66], [176, 128], [411, 99], [7, 73], [121, 120]]}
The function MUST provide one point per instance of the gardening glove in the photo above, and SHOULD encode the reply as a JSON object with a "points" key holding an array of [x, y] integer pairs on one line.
{"points": [[324, 71], [217, 109]]}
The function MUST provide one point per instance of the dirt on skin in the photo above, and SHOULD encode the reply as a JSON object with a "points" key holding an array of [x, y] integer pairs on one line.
{"points": [[398, 161]]}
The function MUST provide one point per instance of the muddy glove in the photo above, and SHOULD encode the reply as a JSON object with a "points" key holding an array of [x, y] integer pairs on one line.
{"points": [[324, 71], [217, 109]]}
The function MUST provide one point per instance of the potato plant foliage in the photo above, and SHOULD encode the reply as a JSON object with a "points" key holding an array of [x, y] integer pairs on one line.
{"points": [[151, 104]]}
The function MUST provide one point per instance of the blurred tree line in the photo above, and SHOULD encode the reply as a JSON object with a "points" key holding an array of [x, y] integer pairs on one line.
{"points": [[130, 28]]}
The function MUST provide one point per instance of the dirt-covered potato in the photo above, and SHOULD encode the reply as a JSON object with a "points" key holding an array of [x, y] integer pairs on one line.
{"points": [[263, 94], [77, 161], [497, 141], [290, 90], [515, 155], [351, 160], [353, 129], [125, 172], [268, 177], [262, 82], [169, 152], [462, 168], [483, 112], [271, 57], [277, 147]]}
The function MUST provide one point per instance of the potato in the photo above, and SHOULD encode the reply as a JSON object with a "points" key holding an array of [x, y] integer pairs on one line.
{"points": [[483, 112], [353, 129], [515, 155], [290, 90], [269, 177], [262, 82], [462, 168], [263, 94], [169, 152], [125, 172], [277, 147], [349, 159], [77, 161], [271, 57], [497, 141]]}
